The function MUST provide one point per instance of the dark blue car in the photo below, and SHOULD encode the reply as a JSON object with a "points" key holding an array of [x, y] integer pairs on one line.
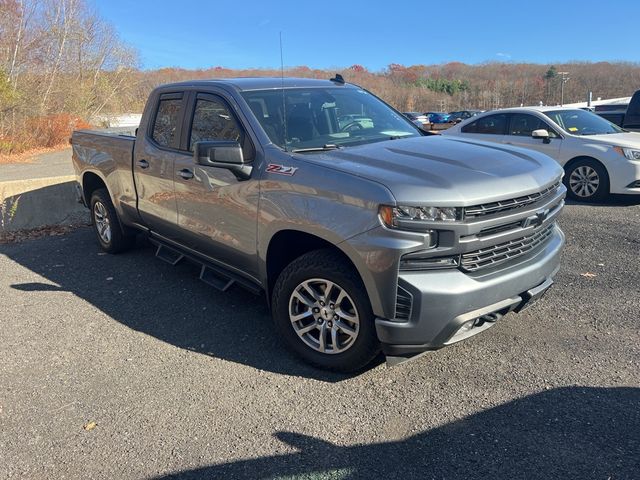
{"points": [[437, 117]]}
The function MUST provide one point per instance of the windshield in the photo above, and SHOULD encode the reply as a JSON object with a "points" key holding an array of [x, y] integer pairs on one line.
{"points": [[581, 122], [319, 117]]}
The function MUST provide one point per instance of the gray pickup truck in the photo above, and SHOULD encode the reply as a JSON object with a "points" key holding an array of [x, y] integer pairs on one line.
{"points": [[364, 233]]}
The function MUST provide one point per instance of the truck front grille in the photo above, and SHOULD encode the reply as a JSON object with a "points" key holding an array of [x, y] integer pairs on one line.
{"points": [[512, 204], [503, 252]]}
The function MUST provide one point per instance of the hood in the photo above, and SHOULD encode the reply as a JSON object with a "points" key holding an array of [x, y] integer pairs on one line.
{"points": [[445, 171], [625, 139]]}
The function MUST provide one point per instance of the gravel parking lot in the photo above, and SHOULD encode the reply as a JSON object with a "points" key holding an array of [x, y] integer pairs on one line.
{"points": [[122, 367]]}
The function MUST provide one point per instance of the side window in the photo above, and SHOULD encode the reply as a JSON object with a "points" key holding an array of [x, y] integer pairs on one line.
{"points": [[470, 127], [489, 125], [212, 121], [492, 124], [165, 125], [523, 124]]}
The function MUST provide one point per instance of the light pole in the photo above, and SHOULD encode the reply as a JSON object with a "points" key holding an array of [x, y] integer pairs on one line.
{"points": [[564, 79]]}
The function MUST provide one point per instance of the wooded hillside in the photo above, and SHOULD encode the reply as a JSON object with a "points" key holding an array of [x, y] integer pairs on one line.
{"points": [[62, 65]]}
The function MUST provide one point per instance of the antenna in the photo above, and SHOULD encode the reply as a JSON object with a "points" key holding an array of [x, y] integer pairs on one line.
{"points": [[284, 103]]}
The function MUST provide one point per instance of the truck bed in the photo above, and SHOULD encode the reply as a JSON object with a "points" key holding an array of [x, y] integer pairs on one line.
{"points": [[109, 155]]}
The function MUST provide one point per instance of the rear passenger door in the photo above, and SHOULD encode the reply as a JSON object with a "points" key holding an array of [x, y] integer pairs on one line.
{"points": [[491, 128], [217, 212], [519, 134], [156, 150]]}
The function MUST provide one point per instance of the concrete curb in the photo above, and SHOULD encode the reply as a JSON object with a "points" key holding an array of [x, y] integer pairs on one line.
{"points": [[40, 202]]}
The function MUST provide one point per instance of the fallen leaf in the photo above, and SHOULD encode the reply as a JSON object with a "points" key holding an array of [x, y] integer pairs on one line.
{"points": [[588, 275], [90, 426]]}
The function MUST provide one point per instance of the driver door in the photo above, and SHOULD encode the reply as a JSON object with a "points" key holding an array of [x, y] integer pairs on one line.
{"points": [[519, 134], [217, 212]]}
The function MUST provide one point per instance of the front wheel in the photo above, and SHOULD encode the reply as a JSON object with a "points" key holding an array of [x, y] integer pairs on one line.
{"points": [[322, 311], [586, 180]]}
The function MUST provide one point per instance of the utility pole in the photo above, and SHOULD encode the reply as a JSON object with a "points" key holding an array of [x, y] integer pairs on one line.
{"points": [[563, 79]]}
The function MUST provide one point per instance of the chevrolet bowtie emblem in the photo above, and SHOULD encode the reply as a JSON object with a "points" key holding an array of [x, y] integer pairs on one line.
{"points": [[537, 219]]}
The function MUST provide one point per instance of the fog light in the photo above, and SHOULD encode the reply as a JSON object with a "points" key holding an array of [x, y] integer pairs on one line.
{"points": [[635, 184]]}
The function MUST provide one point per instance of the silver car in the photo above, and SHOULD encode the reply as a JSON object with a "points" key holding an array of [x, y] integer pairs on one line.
{"points": [[598, 157]]}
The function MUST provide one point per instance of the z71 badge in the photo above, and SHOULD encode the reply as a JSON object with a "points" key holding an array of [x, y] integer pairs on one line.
{"points": [[281, 169]]}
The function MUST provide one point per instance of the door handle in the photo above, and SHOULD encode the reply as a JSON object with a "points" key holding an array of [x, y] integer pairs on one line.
{"points": [[143, 164], [186, 173]]}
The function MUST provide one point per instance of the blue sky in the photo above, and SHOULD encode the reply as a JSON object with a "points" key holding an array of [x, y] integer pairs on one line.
{"points": [[325, 34]]}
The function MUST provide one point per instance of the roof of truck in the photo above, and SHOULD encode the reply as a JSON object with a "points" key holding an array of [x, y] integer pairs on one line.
{"points": [[261, 83]]}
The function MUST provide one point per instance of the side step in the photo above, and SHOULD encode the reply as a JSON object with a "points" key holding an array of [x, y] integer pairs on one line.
{"points": [[172, 257], [216, 279], [213, 275]]}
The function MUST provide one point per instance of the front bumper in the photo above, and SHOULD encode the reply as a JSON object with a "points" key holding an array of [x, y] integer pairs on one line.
{"points": [[443, 301], [623, 175]]}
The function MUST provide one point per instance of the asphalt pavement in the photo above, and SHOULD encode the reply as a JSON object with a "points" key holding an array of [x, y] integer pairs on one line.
{"points": [[122, 367]]}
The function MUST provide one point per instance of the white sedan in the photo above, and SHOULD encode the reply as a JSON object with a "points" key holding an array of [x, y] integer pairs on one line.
{"points": [[598, 157]]}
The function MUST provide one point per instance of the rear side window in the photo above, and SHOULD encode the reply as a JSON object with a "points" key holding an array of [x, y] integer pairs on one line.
{"points": [[489, 125], [165, 126], [213, 121]]}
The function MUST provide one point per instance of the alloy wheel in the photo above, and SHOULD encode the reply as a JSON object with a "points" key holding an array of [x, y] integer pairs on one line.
{"points": [[324, 316], [101, 219], [584, 181]]}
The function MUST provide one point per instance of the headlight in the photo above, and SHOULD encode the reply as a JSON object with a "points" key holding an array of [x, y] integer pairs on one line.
{"points": [[417, 219], [630, 153]]}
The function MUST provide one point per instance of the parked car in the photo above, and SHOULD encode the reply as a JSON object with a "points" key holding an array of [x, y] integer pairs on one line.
{"points": [[625, 116], [360, 240], [463, 115], [420, 119], [598, 157], [437, 117]]}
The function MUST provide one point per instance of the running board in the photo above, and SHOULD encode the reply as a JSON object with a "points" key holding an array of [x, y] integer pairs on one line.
{"points": [[166, 254], [213, 275], [216, 279]]}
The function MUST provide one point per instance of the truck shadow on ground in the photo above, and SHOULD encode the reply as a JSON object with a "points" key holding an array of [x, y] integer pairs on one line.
{"points": [[166, 302], [566, 433]]}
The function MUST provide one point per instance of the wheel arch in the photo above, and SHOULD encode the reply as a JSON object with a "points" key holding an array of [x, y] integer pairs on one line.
{"points": [[288, 244], [577, 159], [92, 181]]}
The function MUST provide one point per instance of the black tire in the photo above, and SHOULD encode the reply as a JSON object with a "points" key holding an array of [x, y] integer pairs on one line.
{"points": [[119, 240], [325, 264], [584, 193]]}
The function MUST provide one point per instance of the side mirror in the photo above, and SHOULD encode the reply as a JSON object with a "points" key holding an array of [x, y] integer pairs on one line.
{"points": [[541, 134], [222, 154]]}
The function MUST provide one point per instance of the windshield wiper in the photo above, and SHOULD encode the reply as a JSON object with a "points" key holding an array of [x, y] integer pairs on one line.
{"points": [[328, 146]]}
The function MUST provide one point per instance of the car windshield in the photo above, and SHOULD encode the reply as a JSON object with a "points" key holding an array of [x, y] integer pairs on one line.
{"points": [[581, 122], [326, 117]]}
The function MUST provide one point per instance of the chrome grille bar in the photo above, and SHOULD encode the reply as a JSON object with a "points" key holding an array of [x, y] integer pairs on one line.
{"points": [[503, 252], [512, 204]]}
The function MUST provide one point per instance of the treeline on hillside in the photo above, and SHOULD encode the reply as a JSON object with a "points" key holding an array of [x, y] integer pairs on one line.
{"points": [[451, 86], [62, 65]]}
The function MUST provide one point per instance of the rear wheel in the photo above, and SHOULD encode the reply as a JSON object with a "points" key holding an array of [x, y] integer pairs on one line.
{"points": [[322, 312], [586, 180], [106, 224]]}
